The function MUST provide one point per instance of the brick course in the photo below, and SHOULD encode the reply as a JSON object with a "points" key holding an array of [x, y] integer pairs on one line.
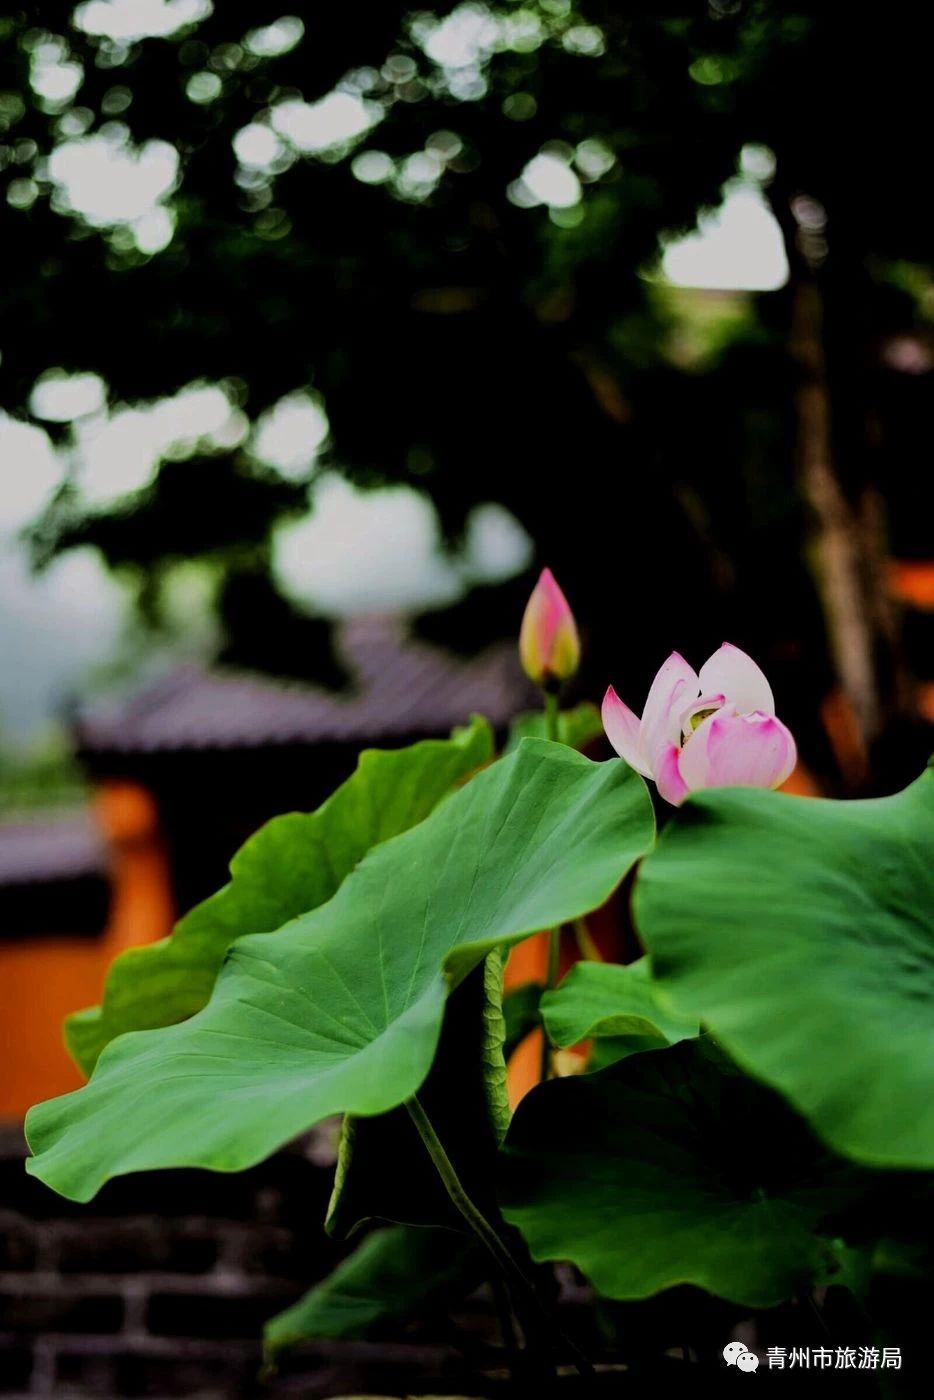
{"points": [[161, 1285]]}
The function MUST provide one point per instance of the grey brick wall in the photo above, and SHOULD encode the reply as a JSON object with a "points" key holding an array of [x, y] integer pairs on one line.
{"points": [[160, 1287]]}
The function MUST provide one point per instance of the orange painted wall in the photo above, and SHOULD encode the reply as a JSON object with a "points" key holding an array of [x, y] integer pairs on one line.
{"points": [[43, 979]]}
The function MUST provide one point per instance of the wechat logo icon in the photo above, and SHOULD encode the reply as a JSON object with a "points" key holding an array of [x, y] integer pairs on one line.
{"points": [[738, 1354]]}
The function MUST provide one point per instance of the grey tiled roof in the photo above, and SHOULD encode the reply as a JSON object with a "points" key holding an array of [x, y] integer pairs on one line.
{"points": [[400, 687], [64, 846]]}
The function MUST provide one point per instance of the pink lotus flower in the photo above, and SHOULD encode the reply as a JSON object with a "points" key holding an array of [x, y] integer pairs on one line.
{"points": [[716, 729], [549, 647]]}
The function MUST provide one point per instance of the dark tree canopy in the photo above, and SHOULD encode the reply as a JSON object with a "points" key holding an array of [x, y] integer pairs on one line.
{"points": [[472, 347]]}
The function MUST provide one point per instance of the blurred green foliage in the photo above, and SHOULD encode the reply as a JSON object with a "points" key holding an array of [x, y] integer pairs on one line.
{"points": [[44, 777], [464, 343]]}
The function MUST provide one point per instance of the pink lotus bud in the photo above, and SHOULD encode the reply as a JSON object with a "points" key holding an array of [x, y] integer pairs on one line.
{"points": [[716, 729], [549, 646]]}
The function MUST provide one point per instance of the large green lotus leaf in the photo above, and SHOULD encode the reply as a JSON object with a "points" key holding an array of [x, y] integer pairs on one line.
{"points": [[668, 1169], [342, 1012], [390, 1276], [801, 931], [291, 865], [617, 1005]]}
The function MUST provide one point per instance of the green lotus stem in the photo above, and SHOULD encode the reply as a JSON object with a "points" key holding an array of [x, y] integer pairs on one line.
{"points": [[455, 1188], [585, 942], [552, 715], [552, 721], [551, 978], [554, 950], [543, 1325]]}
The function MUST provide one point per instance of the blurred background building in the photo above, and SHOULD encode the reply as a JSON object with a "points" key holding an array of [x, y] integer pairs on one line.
{"points": [[180, 773]]}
